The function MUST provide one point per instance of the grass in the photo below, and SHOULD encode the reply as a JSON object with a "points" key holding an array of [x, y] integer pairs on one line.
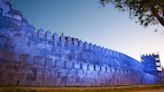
{"points": [[81, 89]]}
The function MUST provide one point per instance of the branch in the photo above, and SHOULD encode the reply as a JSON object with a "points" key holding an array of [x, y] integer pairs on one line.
{"points": [[160, 19], [156, 14]]}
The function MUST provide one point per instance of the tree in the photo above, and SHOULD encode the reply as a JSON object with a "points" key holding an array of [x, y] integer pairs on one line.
{"points": [[147, 12]]}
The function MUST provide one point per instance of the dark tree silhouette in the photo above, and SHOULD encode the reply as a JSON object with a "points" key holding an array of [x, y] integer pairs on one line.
{"points": [[147, 12]]}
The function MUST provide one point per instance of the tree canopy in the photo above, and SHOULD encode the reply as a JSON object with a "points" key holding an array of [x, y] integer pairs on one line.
{"points": [[147, 12]]}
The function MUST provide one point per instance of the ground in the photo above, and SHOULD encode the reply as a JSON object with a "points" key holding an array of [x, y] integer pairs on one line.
{"points": [[141, 88], [157, 90]]}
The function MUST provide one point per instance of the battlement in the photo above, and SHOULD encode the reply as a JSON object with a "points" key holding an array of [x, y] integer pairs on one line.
{"points": [[149, 55], [42, 43], [152, 63], [62, 40], [55, 40], [42, 58], [36, 43]]}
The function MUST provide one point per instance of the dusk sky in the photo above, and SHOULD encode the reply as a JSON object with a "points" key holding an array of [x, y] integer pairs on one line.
{"points": [[86, 20]]}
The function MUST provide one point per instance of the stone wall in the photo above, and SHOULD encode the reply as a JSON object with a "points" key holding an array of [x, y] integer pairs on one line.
{"points": [[39, 58], [161, 77], [24, 70], [44, 59]]}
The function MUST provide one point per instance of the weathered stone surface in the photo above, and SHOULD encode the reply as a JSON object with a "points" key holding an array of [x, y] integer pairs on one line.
{"points": [[48, 35], [49, 62], [25, 59], [28, 58], [41, 33], [39, 60]]}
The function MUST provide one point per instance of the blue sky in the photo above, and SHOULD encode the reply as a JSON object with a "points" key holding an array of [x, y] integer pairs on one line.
{"points": [[86, 20]]}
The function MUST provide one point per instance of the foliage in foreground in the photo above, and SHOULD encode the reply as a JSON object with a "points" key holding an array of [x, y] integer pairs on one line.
{"points": [[146, 12]]}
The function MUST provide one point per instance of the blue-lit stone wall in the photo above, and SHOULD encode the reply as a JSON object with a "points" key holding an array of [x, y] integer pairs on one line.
{"points": [[149, 62], [44, 59], [38, 58]]}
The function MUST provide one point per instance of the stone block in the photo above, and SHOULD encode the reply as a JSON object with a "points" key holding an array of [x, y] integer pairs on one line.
{"points": [[110, 52], [91, 67], [41, 33], [103, 68], [34, 35], [85, 66], [69, 65], [55, 38], [8, 57], [75, 41], [3, 41], [48, 35], [65, 65], [114, 53], [99, 49], [95, 47], [80, 44], [39, 60], [73, 64], [86, 46], [59, 63], [112, 70], [2, 57], [77, 66], [107, 51], [90, 46], [97, 67], [106, 69], [69, 41], [62, 40], [49, 62], [103, 50], [25, 59], [17, 17]]}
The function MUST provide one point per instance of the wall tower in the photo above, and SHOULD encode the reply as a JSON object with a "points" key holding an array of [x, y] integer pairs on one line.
{"points": [[151, 63]]}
